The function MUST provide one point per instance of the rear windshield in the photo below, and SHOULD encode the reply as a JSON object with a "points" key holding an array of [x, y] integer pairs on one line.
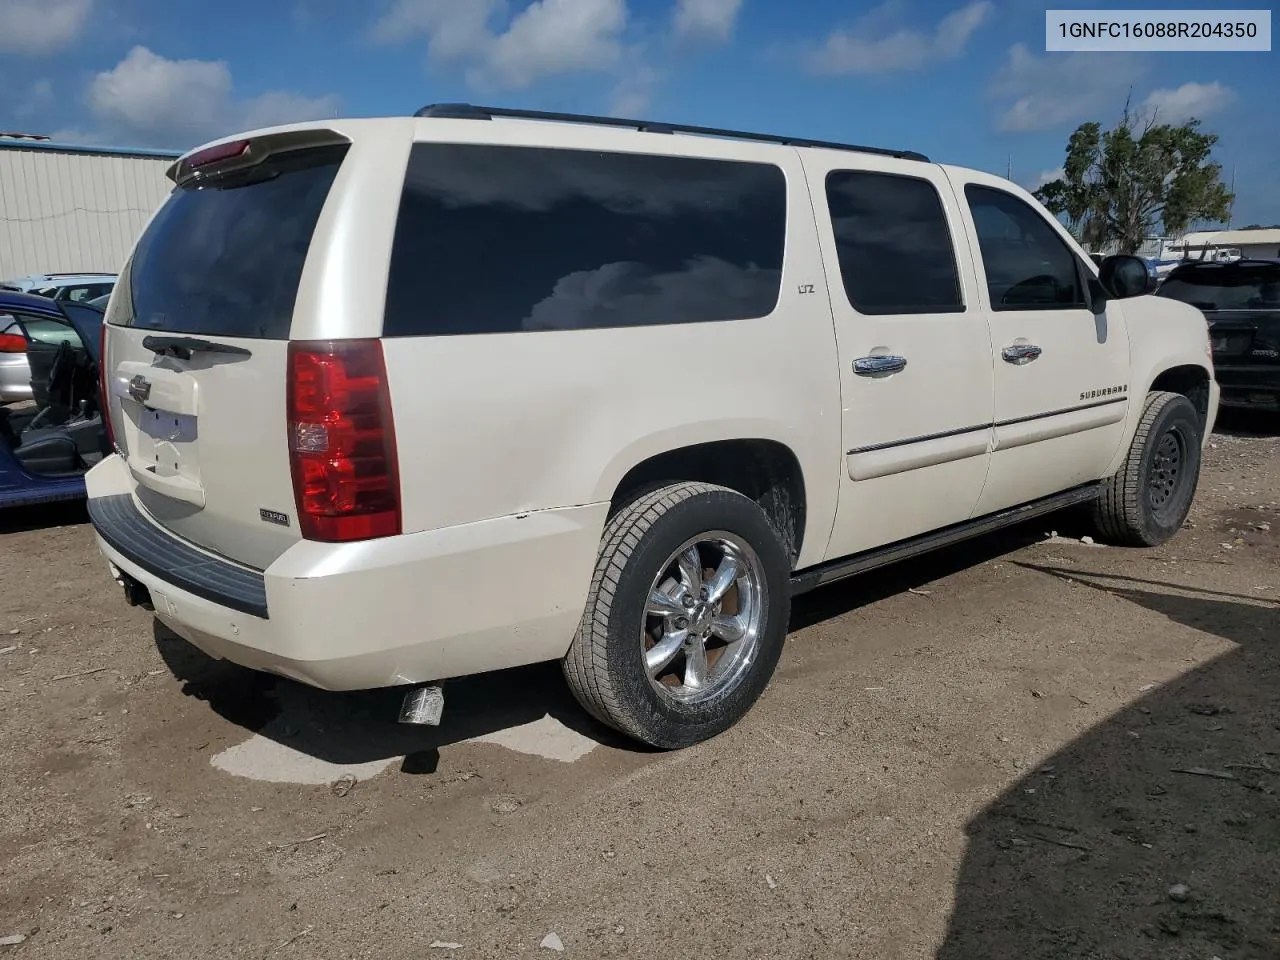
{"points": [[224, 258], [1227, 286]]}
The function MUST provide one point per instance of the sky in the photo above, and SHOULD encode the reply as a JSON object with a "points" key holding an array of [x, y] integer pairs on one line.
{"points": [[964, 81]]}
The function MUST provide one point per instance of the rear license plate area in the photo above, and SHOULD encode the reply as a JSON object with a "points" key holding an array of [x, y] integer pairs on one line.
{"points": [[1231, 344], [164, 436]]}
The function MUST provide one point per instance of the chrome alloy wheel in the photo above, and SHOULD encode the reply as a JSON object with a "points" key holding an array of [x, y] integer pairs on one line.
{"points": [[703, 617]]}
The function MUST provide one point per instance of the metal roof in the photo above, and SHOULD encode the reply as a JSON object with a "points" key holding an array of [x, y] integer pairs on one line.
{"points": [[52, 147], [1229, 238]]}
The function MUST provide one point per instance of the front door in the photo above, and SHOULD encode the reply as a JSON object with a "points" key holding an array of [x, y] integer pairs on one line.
{"points": [[914, 350], [1061, 366]]}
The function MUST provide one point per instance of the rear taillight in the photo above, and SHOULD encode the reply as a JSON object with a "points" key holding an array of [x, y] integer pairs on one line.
{"points": [[104, 394], [12, 343], [342, 443]]}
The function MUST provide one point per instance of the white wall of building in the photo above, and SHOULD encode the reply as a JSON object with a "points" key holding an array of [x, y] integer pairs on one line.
{"points": [[66, 209], [1260, 243]]}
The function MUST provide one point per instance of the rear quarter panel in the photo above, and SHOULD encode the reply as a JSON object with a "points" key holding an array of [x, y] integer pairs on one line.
{"points": [[499, 424]]}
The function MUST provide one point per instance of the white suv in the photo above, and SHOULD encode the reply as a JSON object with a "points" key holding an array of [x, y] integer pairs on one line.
{"points": [[398, 400]]}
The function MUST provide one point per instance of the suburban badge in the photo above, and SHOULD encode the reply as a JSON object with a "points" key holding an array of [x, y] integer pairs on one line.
{"points": [[273, 516]]}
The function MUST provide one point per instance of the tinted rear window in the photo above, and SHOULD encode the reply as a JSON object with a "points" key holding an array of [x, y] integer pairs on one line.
{"points": [[224, 258], [1226, 286], [893, 244], [504, 239]]}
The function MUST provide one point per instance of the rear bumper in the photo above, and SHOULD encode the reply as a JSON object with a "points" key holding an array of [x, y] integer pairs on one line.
{"points": [[408, 609]]}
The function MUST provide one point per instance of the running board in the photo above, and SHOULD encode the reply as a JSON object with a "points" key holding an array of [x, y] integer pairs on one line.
{"points": [[803, 581]]}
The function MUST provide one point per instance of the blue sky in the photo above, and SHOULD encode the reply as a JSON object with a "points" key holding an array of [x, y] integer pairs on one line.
{"points": [[965, 81]]}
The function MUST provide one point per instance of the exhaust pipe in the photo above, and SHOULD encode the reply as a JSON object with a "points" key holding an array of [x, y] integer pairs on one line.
{"points": [[423, 706]]}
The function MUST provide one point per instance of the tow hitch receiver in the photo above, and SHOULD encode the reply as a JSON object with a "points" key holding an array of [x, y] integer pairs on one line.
{"points": [[423, 706], [135, 593]]}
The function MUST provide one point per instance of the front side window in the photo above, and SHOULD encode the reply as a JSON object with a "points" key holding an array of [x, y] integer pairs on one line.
{"points": [[1027, 264], [499, 239], [893, 244]]}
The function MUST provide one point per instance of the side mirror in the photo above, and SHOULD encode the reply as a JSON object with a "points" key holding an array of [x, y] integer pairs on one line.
{"points": [[1123, 276]]}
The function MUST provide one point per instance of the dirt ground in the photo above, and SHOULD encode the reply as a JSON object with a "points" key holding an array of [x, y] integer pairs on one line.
{"points": [[1016, 749]]}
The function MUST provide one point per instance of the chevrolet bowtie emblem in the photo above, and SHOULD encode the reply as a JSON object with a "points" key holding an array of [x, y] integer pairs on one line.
{"points": [[140, 388]]}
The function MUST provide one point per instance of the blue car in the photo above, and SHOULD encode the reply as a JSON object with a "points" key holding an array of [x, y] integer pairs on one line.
{"points": [[48, 443]]}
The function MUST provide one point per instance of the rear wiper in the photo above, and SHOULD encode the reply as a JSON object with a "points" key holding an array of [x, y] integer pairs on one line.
{"points": [[184, 347]]}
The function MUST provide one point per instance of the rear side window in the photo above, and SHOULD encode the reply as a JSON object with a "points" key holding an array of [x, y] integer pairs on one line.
{"points": [[893, 244], [505, 239], [1226, 286], [1028, 266], [224, 258]]}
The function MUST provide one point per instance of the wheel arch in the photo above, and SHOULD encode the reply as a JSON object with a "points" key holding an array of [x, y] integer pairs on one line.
{"points": [[1182, 372], [764, 469], [1193, 381]]}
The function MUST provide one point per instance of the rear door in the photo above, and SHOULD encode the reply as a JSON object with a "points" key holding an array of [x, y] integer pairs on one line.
{"points": [[197, 346], [914, 349]]}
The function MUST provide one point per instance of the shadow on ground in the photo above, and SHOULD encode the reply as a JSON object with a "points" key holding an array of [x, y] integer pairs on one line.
{"points": [[361, 727], [1082, 859], [1243, 422], [43, 516], [846, 596]]}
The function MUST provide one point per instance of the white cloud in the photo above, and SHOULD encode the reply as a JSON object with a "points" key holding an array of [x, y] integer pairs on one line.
{"points": [[1042, 92], [868, 48], [453, 29], [707, 20], [557, 36], [1047, 176], [629, 294], [41, 26], [632, 95], [1197, 100], [546, 38], [147, 99]]}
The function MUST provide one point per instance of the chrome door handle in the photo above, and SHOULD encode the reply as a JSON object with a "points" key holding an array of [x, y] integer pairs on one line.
{"points": [[1021, 353], [874, 366]]}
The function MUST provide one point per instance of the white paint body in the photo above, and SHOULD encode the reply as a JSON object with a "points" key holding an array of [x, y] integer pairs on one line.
{"points": [[511, 445]]}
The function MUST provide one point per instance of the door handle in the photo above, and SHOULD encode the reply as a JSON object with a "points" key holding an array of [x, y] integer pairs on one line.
{"points": [[879, 365], [1021, 353]]}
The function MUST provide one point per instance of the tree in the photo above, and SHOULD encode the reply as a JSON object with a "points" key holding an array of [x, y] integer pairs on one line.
{"points": [[1118, 184]]}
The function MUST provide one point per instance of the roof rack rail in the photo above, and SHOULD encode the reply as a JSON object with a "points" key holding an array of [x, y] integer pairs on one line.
{"points": [[467, 111]]}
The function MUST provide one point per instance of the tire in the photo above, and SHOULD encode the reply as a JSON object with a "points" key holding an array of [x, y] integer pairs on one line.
{"points": [[637, 602], [1148, 499]]}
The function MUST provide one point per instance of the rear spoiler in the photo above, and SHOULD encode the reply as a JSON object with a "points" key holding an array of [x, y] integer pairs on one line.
{"points": [[232, 155]]}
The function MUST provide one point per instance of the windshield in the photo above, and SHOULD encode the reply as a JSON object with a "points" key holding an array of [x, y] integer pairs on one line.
{"points": [[1227, 286], [224, 258]]}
